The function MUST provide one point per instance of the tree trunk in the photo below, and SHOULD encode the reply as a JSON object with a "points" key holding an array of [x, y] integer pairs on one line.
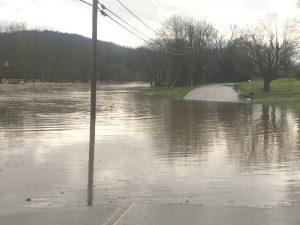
{"points": [[267, 83]]}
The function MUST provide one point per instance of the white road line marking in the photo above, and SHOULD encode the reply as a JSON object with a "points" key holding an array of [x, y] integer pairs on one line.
{"points": [[115, 217], [124, 213]]}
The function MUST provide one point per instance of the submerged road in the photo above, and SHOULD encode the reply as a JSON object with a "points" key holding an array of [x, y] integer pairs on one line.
{"points": [[214, 93]]}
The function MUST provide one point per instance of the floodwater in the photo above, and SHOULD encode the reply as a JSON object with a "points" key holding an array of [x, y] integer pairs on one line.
{"points": [[145, 149]]}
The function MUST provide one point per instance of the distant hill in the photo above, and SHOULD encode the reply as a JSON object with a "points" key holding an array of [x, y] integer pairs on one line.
{"points": [[50, 56]]}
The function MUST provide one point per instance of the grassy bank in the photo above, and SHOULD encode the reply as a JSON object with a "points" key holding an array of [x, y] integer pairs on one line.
{"points": [[285, 92], [175, 93]]}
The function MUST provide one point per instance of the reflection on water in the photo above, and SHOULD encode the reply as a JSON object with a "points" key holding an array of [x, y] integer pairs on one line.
{"points": [[91, 162], [146, 148]]}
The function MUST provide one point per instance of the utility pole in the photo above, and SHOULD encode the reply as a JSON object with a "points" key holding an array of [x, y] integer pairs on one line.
{"points": [[94, 60], [192, 70], [90, 187], [93, 106]]}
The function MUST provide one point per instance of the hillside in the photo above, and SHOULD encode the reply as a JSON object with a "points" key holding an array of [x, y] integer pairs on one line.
{"points": [[61, 57]]}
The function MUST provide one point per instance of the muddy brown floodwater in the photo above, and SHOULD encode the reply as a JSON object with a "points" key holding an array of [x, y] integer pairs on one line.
{"points": [[146, 149]]}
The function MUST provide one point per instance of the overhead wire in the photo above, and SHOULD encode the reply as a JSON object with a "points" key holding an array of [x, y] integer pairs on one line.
{"points": [[150, 44], [114, 14], [167, 49], [106, 8], [125, 7], [105, 14], [132, 13], [155, 9], [86, 2]]}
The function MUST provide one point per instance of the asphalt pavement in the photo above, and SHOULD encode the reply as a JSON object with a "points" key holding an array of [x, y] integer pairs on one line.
{"points": [[155, 214], [214, 92]]}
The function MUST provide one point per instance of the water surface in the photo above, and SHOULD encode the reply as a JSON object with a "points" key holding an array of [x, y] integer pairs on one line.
{"points": [[146, 149]]}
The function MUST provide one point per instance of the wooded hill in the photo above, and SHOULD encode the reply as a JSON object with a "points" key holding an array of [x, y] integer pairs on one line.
{"points": [[50, 56]]}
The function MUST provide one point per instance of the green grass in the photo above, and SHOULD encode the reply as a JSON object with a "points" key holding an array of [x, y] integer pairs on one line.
{"points": [[7, 115], [175, 93], [285, 92]]}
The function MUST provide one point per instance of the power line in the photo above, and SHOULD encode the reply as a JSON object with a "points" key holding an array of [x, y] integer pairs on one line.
{"points": [[105, 8], [106, 15], [85, 2], [154, 9], [135, 15], [114, 14], [151, 44], [167, 49], [145, 23]]}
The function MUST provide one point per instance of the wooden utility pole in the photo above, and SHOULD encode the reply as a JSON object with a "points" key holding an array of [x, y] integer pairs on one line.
{"points": [[90, 188], [93, 106], [192, 69], [94, 60]]}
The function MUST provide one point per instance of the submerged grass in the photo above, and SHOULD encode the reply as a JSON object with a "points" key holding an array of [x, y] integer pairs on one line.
{"points": [[284, 92], [174, 93], [7, 115]]}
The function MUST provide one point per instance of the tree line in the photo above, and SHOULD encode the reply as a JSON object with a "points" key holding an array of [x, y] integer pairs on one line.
{"points": [[268, 50], [185, 52], [48, 56]]}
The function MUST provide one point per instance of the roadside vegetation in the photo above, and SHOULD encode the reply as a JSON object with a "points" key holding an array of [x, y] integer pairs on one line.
{"points": [[284, 92], [176, 93]]}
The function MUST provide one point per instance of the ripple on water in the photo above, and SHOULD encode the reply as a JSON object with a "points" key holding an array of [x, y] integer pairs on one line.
{"points": [[146, 148]]}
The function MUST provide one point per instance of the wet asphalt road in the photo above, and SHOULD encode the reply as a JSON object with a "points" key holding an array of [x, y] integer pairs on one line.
{"points": [[214, 93], [155, 214]]}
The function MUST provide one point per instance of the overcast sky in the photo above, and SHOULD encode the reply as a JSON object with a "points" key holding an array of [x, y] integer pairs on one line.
{"points": [[73, 16]]}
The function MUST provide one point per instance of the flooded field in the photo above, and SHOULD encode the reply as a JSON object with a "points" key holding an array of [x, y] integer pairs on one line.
{"points": [[147, 149]]}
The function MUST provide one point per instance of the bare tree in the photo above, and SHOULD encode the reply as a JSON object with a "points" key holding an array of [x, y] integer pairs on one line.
{"points": [[272, 49], [233, 63], [193, 37], [15, 26]]}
